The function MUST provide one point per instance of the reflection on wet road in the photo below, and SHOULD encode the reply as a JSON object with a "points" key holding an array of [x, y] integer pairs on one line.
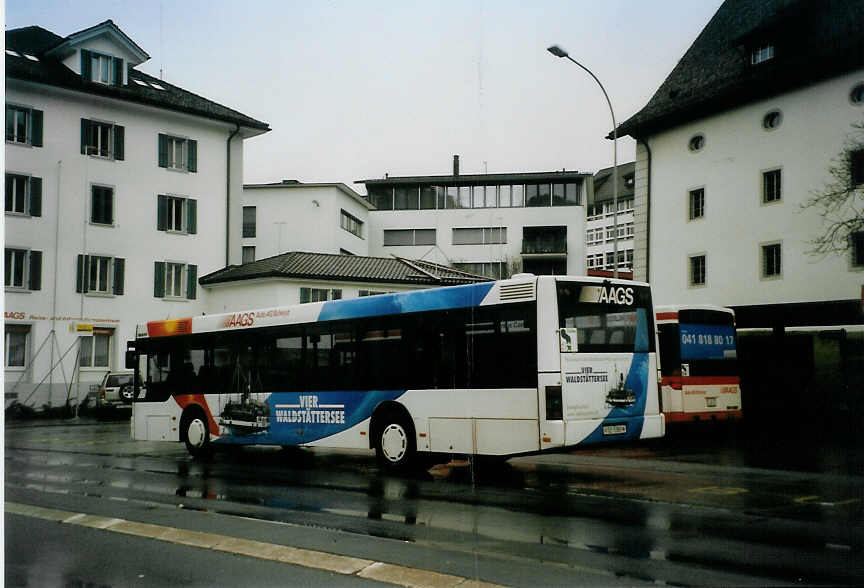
{"points": [[628, 515]]}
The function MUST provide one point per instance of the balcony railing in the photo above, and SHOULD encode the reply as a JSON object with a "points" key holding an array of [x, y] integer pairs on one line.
{"points": [[544, 246]]}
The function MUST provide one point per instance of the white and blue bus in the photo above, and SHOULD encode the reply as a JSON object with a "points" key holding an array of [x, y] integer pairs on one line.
{"points": [[495, 368]]}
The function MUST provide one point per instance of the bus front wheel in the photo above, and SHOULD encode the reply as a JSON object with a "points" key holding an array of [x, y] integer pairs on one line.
{"points": [[196, 433], [395, 444]]}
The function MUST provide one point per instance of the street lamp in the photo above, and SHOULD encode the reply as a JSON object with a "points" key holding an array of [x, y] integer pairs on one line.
{"points": [[559, 52]]}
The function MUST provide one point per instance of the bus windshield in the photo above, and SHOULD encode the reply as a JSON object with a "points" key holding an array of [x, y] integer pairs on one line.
{"points": [[607, 326]]}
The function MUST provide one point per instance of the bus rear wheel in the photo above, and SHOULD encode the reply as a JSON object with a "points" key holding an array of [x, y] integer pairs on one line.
{"points": [[395, 444], [196, 433]]}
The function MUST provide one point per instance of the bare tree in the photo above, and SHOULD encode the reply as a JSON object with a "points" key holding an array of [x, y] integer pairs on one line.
{"points": [[840, 202]]}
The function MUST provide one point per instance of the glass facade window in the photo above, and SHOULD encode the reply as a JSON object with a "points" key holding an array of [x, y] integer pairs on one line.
{"points": [[406, 198], [491, 269], [381, 197], [518, 195], [464, 197], [504, 196], [565, 194], [428, 196]]}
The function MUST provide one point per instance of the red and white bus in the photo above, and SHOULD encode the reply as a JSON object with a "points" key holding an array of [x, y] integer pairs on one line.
{"points": [[698, 363]]}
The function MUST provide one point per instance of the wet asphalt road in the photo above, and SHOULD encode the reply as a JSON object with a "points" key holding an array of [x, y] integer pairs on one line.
{"points": [[677, 511]]}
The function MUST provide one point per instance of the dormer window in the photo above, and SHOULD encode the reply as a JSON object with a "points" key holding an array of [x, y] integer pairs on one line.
{"points": [[761, 54], [101, 68]]}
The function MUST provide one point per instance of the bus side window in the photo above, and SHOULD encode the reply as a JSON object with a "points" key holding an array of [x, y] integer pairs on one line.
{"points": [[670, 349]]}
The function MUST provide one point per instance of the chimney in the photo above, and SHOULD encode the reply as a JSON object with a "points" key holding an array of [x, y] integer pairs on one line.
{"points": [[455, 165]]}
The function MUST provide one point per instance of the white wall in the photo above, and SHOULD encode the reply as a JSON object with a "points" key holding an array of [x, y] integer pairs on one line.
{"points": [[444, 221], [816, 121], [66, 179], [298, 217]]}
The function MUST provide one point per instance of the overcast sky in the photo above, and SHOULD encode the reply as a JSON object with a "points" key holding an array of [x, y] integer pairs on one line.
{"points": [[357, 89]]}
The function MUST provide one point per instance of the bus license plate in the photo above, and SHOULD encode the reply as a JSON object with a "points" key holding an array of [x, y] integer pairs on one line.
{"points": [[711, 402], [614, 429]]}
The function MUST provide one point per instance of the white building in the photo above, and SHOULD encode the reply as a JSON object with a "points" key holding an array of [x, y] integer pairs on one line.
{"points": [[293, 216], [735, 141], [121, 189], [489, 224], [600, 227], [730, 147]]}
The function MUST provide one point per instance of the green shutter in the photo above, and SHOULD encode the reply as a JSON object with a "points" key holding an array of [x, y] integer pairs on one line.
{"points": [[192, 150], [119, 136], [86, 65], [36, 128], [163, 150], [119, 271], [161, 213], [191, 216], [35, 270], [191, 281], [81, 276], [159, 279], [35, 196], [85, 135], [118, 71], [305, 295]]}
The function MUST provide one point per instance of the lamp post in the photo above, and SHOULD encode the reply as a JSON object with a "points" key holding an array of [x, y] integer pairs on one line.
{"points": [[559, 52]]}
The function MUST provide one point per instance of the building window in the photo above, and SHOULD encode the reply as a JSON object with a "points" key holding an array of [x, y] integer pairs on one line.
{"points": [[100, 274], [565, 194], [351, 224], [102, 139], [23, 269], [771, 186], [95, 349], [595, 211], [629, 230], [480, 236], [856, 96], [319, 294], [490, 269], [362, 293], [15, 344], [397, 237], [595, 261], [23, 125], [761, 54], [856, 247], [772, 120], [102, 205], [101, 68], [382, 197], [771, 261], [23, 195], [178, 153], [175, 280], [697, 270], [249, 220], [248, 254], [406, 197], [594, 236], [176, 214], [697, 143], [697, 203], [856, 167], [625, 205]]}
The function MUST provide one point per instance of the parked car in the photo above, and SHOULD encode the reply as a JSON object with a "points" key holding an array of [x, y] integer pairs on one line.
{"points": [[116, 391]]}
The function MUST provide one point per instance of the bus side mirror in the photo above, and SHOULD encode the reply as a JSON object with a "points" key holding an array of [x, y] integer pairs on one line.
{"points": [[131, 359]]}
